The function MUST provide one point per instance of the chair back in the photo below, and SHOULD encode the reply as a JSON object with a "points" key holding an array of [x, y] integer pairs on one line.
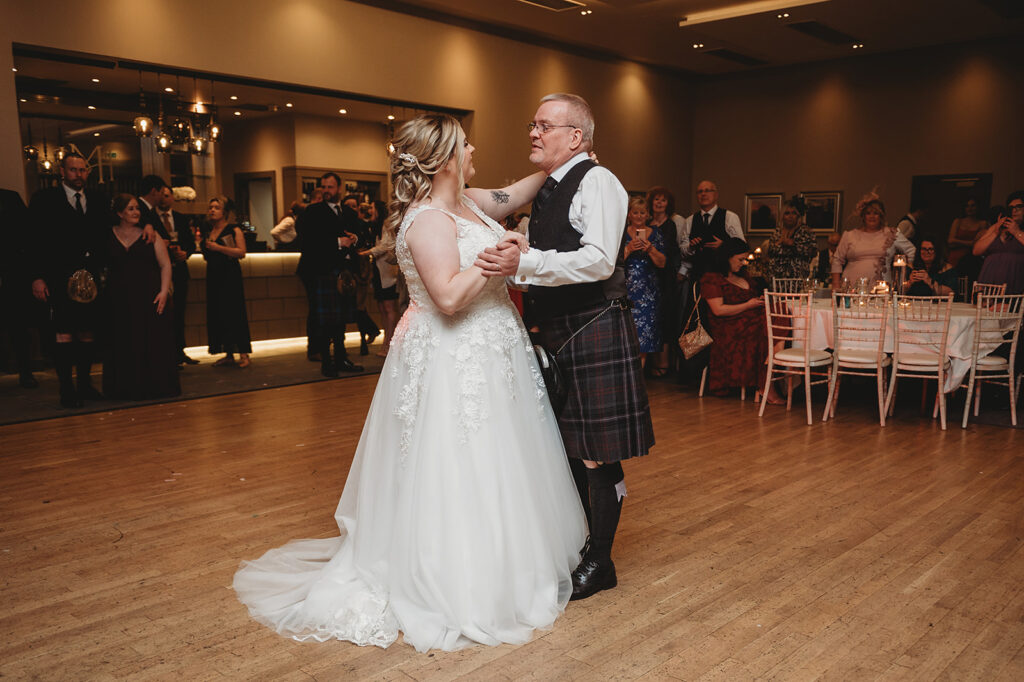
{"points": [[961, 288], [997, 321], [921, 326], [859, 322], [789, 284], [789, 319], [986, 290]]}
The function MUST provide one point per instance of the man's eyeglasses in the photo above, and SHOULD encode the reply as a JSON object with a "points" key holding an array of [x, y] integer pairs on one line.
{"points": [[1015, 207], [926, 248], [543, 128]]}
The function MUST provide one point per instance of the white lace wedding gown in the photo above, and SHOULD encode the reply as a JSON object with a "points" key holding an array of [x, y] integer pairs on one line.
{"points": [[459, 521]]}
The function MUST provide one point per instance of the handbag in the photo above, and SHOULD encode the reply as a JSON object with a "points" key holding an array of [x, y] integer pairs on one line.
{"points": [[554, 379], [696, 340]]}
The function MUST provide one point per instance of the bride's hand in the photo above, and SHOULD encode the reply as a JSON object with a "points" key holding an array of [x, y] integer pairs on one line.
{"points": [[516, 238]]}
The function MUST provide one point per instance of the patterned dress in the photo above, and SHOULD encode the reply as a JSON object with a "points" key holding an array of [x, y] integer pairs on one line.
{"points": [[644, 291], [790, 261], [740, 346]]}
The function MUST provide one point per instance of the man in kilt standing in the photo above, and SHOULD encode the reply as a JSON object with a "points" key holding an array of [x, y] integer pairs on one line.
{"points": [[577, 294]]}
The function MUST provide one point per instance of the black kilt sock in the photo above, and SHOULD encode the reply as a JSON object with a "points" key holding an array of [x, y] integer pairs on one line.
{"points": [[582, 481], [83, 363], [605, 507], [63, 359]]}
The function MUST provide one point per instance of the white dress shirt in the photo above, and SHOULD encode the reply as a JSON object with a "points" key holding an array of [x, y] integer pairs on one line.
{"points": [[732, 228], [907, 225], [598, 213], [70, 192]]}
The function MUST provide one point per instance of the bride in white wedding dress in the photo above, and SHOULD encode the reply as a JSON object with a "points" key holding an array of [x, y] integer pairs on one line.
{"points": [[460, 522]]}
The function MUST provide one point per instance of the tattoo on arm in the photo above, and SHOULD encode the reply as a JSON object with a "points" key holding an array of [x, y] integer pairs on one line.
{"points": [[499, 197]]}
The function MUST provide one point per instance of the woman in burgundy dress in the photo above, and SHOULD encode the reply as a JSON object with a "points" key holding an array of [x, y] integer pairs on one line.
{"points": [[141, 356], [736, 323]]}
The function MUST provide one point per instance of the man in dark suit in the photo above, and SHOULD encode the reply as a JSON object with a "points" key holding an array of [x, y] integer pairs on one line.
{"points": [[150, 189], [181, 245], [69, 229], [15, 296], [327, 231]]}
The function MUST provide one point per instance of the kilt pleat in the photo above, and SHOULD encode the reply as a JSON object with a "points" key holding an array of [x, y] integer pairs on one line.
{"points": [[607, 416]]}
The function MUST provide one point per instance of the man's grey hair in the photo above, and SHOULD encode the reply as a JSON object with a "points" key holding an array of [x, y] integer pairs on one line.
{"points": [[580, 113]]}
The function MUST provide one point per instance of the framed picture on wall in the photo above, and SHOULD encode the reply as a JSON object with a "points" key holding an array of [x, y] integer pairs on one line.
{"points": [[762, 212], [824, 211]]}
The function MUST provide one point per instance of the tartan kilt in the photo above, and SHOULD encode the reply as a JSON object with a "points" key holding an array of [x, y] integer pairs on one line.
{"points": [[329, 307], [607, 417]]}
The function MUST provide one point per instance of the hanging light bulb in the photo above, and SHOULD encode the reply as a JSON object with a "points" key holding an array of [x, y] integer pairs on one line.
{"points": [[214, 130], [46, 164], [197, 145], [163, 142], [143, 126], [179, 131]]}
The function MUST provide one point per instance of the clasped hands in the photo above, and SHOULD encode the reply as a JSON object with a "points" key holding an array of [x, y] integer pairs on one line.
{"points": [[502, 259]]}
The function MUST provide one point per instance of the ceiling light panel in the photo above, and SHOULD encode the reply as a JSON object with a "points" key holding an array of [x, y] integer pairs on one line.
{"points": [[554, 5], [743, 9]]}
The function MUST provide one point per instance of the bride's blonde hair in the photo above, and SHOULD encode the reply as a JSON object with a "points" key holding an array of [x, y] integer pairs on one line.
{"points": [[422, 147]]}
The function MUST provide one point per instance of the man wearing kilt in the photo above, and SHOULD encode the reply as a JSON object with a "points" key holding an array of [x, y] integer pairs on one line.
{"points": [[576, 282], [327, 233]]}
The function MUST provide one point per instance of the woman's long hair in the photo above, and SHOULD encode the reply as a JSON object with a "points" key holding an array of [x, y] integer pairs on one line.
{"points": [[422, 147]]}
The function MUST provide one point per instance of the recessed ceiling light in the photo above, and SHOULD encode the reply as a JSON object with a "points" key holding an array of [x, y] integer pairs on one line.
{"points": [[342, 111], [784, 15], [697, 46], [288, 104], [858, 46], [95, 80], [168, 89], [22, 100], [92, 108], [15, 70], [234, 97], [95, 134], [238, 113], [585, 12], [390, 117]]}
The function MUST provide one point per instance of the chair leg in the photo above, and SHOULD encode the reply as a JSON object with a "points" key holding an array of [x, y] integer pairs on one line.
{"points": [[935, 406], [880, 380], [942, 404], [789, 392], [977, 397], [839, 389], [767, 387], [1013, 397], [892, 392], [743, 393], [703, 378], [807, 394], [832, 380], [967, 400]]}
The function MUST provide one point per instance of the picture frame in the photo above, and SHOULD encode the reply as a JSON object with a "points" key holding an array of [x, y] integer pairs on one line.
{"points": [[824, 211], [762, 212]]}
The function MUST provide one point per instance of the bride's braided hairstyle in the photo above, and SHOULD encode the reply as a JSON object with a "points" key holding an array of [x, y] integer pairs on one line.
{"points": [[423, 146]]}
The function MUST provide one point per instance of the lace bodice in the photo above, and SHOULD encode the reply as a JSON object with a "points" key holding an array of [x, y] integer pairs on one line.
{"points": [[480, 339]]}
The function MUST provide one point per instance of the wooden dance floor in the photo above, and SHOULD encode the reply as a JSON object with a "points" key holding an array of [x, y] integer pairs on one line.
{"points": [[749, 548]]}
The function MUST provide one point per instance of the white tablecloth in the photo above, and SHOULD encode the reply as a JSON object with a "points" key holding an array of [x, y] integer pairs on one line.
{"points": [[959, 344]]}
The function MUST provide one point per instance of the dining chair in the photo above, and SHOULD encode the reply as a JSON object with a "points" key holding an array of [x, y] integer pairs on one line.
{"points": [[920, 333], [789, 324], [858, 331], [793, 285], [961, 287], [997, 321], [980, 289]]}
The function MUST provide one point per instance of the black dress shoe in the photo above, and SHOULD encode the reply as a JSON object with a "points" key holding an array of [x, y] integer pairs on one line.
{"points": [[329, 371], [184, 359], [26, 380], [87, 392], [346, 365], [592, 576]]}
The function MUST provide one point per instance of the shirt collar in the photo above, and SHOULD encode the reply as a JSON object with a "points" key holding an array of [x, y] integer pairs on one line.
{"points": [[562, 170], [148, 205], [711, 211], [70, 192]]}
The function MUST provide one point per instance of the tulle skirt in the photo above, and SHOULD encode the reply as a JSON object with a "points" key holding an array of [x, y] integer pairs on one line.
{"points": [[459, 520]]}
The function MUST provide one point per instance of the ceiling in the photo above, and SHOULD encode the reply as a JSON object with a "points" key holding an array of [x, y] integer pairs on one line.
{"points": [[648, 31]]}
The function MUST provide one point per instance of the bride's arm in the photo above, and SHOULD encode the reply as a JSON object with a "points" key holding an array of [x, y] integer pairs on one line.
{"points": [[498, 203], [431, 239]]}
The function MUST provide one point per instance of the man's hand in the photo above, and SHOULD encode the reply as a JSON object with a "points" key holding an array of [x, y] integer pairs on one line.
{"points": [[499, 261], [39, 290], [714, 243], [177, 253], [348, 240], [149, 234], [695, 242], [516, 238]]}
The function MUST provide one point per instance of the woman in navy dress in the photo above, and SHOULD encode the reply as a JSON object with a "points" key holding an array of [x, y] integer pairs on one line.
{"points": [[644, 252]]}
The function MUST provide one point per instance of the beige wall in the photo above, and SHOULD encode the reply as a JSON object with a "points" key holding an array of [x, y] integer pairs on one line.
{"points": [[357, 48], [852, 124], [265, 144]]}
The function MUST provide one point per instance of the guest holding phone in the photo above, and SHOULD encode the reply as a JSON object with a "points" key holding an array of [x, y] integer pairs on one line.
{"points": [[227, 323], [932, 275], [1002, 245]]}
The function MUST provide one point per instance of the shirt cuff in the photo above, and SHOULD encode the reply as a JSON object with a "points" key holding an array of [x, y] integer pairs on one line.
{"points": [[528, 264]]}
